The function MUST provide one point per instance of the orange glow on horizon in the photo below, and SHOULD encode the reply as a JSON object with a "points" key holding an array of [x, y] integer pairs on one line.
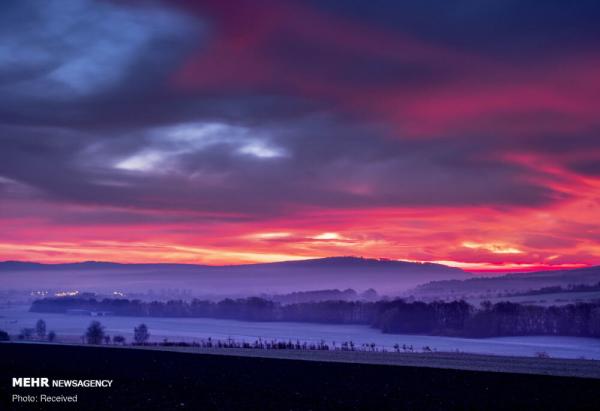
{"points": [[476, 239], [294, 130]]}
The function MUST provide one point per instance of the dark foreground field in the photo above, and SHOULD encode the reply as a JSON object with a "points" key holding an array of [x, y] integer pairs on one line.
{"points": [[148, 379]]}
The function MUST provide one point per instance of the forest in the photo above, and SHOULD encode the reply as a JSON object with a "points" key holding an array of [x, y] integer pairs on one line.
{"points": [[456, 318]]}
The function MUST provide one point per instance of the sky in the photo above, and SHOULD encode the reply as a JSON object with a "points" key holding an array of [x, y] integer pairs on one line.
{"points": [[213, 132]]}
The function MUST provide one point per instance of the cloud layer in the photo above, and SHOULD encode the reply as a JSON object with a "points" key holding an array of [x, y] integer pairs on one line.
{"points": [[185, 131]]}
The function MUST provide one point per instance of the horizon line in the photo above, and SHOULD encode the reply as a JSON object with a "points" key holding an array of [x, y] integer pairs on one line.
{"points": [[474, 268]]}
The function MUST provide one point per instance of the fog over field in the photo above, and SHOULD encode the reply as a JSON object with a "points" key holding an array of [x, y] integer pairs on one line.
{"points": [[272, 281], [15, 318], [340, 314], [511, 282]]}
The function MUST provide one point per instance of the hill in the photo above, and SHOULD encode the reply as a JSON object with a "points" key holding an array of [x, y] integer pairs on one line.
{"points": [[323, 273]]}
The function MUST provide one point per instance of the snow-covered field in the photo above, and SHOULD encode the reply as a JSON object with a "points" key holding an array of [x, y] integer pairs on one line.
{"points": [[15, 318]]}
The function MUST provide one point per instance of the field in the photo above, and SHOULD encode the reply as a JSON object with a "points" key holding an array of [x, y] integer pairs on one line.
{"points": [[455, 361], [147, 379], [193, 329]]}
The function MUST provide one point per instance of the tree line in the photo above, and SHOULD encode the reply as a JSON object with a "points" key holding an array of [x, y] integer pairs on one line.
{"points": [[95, 334], [456, 318], [27, 333], [572, 288]]}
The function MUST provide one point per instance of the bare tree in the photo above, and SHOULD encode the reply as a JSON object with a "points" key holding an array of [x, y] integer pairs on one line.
{"points": [[26, 334], [119, 339], [40, 328], [95, 333], [141, 334]]}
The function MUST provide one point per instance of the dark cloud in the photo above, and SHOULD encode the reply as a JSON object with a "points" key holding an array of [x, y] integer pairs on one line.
{"points": [[543, 242], [590, 166], [523, 30], [64, 61], [90, 113], [262, 171]]}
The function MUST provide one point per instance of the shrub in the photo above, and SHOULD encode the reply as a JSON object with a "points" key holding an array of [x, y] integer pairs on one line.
{"points": [[95, 333], [119, 339], [141, 334], [40, 328]]}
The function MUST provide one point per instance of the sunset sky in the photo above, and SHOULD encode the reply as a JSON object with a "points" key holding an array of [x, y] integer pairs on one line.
{"points": [[222, 132]]}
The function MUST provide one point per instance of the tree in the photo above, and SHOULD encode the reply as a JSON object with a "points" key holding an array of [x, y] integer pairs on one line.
{"points": [[594, 326], [370, 295], [95, 333], [26, 334], [4, 336], [119, 339], [141, 334], [40, 328], [51, 336]]}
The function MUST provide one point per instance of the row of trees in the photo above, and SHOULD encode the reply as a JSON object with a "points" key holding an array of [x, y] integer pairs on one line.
{"points": [[572, 288], [440, 318], [249, 309], [490, 320], [509, 319], [95, 334], [39, 332], [423, 318]]}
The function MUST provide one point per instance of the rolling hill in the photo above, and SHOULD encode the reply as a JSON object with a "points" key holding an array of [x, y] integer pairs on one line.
{"points": [[324, 273]]}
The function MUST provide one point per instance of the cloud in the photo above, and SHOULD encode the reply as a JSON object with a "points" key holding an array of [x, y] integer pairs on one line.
{"points": [[278, 115], [587, 166], [262, 171], [76, 54], [77, 48], [493, 248]]}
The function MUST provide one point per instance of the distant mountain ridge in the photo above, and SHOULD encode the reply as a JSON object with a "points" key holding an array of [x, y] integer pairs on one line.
{"points": [[285, 276]]}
